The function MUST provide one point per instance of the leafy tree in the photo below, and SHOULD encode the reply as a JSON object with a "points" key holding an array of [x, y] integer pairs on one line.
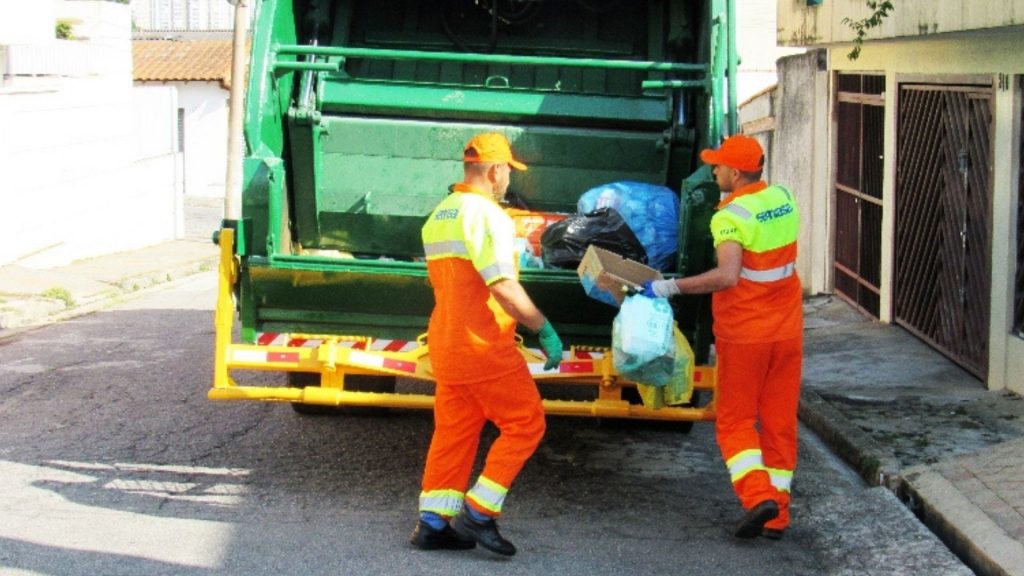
{"points": [[63, 31], [879, 10]]}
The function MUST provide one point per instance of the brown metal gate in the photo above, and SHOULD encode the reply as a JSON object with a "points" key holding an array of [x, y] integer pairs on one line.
{"points": [[1018, 294], [943, 219], [860, 120]]}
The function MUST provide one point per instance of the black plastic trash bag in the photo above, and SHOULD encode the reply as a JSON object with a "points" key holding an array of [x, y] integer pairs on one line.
{"points": [[563, 244]]}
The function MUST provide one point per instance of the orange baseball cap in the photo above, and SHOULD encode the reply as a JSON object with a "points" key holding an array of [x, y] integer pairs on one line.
{"points": [[740, 152], [490, 147]]}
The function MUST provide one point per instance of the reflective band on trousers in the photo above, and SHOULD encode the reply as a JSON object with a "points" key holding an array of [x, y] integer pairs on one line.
{"points": [[442, 502], [781, 479], [488, 494], [769, 275], [744, 463]]}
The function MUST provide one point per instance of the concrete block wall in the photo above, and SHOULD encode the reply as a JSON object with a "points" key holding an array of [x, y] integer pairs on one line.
{"points": [[792, 124]]}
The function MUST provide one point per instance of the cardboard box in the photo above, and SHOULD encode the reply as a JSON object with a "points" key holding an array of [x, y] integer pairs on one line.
{"points": [[605, 275]]}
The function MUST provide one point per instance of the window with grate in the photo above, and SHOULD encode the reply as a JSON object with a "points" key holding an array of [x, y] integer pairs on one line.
{"points": [[1018, 297], [181, 129]]}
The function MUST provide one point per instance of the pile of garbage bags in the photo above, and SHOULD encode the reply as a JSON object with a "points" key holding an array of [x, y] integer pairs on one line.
{"points": [[636, 220]]}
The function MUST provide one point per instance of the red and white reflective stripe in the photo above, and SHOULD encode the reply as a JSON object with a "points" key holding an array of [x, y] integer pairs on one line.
{"points": [[261, 357], [579, 355], [377, 345], [375, 361], [564, 367], [277, 339], [580, 365]]}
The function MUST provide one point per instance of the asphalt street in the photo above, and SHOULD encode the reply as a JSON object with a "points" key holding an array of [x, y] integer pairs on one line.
{"points": [[112, 461]]}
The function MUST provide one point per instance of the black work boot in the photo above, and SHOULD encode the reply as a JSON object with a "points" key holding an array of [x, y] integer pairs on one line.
{"points": [[752, 523], [426, 538], [772, 533], [485, 532]]}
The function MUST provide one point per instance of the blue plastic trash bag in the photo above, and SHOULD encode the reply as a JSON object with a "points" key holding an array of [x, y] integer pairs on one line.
{"points": [[643, 344], [650, 211]]}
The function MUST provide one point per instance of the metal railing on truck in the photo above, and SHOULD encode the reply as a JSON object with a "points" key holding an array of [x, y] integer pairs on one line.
{"points": [[332, 357]]}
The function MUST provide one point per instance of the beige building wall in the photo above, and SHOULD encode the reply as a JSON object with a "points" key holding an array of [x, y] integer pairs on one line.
{"points": [[988, 54], [802, 25]]}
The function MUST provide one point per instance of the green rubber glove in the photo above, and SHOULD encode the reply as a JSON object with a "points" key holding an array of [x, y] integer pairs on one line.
{"points": [[551, 344]]}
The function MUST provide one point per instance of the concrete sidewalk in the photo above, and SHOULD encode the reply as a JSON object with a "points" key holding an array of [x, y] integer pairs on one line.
{"points": [[906, 417], [899, 412], [30, 296]]}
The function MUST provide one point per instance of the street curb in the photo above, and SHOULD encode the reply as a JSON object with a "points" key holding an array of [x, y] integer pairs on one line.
{"points": [[940, 507], [962, 527], [874, 463], [158, 277]]}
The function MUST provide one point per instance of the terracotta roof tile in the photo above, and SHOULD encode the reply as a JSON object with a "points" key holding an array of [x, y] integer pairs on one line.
{"points": [[182, 60]]}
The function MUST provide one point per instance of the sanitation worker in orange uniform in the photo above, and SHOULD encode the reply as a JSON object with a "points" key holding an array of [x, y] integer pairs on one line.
{"points": [[480, 374], [758, 326]]}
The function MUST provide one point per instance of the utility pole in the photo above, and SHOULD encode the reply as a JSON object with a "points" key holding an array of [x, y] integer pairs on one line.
{"points": [[236, 114]]}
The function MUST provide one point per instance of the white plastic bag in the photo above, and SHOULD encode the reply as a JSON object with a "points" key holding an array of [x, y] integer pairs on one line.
{"points": [[643, 345]]}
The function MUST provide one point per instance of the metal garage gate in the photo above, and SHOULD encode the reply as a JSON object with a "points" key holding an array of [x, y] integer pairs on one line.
{"points": [[1018, 295], [860, 119], [943, 219]]}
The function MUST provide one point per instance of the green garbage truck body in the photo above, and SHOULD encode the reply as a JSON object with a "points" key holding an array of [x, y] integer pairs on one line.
{"points": [[356, 112]]}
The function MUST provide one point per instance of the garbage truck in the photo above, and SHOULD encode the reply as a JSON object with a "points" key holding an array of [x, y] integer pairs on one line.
{"points": [[355, 115]]}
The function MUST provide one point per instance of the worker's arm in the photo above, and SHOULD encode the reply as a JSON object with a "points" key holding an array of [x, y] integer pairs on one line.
{"points": [[722, 277], [513, 298]]}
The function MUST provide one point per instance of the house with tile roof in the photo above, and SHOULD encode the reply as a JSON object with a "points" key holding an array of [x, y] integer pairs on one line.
{"points": [[904, 146], [198, 67]]}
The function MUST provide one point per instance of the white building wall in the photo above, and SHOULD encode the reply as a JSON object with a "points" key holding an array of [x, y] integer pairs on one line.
{"points": [[206, 137], [158, 188], [184, 14], [756, 46], [69, 145], [26, 22]]}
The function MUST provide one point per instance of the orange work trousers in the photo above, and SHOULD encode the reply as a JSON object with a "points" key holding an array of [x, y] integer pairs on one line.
{"points": [[756, 419], [512, 403]]}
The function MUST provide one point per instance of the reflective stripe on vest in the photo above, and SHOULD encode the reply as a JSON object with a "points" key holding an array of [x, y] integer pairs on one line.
{"points": [[768, 224], [738, 210], [442, 502], [744, 463], [770, 275], [497, 270], [781, 479], [470, 225], [444, 249], [488, 494]]}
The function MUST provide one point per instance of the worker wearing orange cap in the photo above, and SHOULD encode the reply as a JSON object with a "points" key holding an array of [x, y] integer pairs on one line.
{"points": [[481, 376], [758, 327]]}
